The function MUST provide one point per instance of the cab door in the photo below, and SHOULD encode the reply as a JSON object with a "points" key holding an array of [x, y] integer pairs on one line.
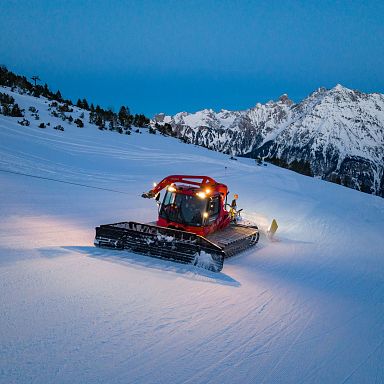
{"points": [[213, 209]]}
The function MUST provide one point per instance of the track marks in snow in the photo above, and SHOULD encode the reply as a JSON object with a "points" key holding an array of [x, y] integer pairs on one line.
{"points": [[378, 379], [259, 340], [285, 353]]}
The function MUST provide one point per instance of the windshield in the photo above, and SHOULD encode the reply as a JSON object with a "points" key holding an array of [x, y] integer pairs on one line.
{"points": [[184, 209]]}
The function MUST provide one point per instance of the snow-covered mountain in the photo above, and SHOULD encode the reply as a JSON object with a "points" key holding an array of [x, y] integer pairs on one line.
{"points": [[336, 134]]}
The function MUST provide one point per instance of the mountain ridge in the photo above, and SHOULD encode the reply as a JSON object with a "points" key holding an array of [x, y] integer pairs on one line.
{"points": [[335, 134]]}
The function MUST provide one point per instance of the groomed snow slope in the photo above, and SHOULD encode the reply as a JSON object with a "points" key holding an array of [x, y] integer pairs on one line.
{"points": [[306, 308]]}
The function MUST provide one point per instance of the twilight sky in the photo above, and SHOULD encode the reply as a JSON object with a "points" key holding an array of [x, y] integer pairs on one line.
{"points": [[170, 56]]}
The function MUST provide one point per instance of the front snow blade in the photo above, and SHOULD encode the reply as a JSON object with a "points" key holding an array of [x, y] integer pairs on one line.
{"points": [[164, 243]]}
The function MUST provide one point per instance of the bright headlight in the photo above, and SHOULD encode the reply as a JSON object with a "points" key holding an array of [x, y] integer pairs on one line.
{"points": [[202, 195]]}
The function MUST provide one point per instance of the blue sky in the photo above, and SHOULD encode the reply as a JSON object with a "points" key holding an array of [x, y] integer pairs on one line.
{"points": [[170, 56]]}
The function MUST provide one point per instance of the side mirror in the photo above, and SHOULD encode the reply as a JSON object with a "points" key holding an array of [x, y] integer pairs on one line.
{"points": [[147, 195], [157, 198]]}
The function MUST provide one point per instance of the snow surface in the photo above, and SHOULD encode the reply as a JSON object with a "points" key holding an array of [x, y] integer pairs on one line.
{"points": [[305, 308]]}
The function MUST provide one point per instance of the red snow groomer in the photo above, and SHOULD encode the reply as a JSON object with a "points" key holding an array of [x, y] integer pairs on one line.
{"points": [[196, 225]]}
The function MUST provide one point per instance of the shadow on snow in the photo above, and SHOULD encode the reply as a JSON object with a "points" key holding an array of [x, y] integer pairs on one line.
{"points": [[141, 261]]}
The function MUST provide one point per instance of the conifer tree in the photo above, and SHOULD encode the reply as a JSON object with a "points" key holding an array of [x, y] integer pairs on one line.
{"points": [[85, 104], [46, 91], [123, 116], [16, 111], [92, 116], [58, 96]]}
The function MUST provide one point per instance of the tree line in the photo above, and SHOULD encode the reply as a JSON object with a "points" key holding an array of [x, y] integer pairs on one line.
{"points": [[103, 118]]}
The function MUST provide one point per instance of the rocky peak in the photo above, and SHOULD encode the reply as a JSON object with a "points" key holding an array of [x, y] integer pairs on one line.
{"points": [[336, 134], [284, 99], [340, 88]]}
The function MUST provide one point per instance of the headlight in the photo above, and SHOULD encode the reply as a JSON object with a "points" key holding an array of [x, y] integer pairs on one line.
{"points": [[202, 195]]}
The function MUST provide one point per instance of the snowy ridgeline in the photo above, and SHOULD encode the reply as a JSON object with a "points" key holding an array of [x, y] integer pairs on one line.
{"points": [[335, 134], [305, 308]]}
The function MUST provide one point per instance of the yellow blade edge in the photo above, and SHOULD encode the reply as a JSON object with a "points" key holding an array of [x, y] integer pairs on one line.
{"points": [[273, 228]]}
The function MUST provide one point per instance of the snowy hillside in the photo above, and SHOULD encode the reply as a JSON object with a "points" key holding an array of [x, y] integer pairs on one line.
{"points": [[305, 308], [335, 134]]}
